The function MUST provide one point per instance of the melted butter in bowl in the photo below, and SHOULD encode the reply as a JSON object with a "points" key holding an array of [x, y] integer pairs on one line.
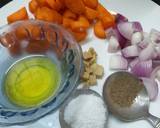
{"points": [[31, 81]]}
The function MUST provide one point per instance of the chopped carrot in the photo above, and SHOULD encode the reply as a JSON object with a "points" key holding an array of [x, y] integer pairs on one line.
{"points": [[67, 22], [21, 33], [105, 16], [69, 14], [81, 25], [62, 2], [55, 4], [33, 5], [108, 22], [90, 13], [76, 6], [42, 3], [84, 20], [50, 34], [21, 14], [38, 46], [91, 3], [34, 31], [99, 30], [80, 36], [48, 14]]}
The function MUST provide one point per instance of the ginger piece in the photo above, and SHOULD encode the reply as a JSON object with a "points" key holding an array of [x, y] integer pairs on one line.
{"points": [[92, 80], [87, 55], [99, 71], [85, 76]]}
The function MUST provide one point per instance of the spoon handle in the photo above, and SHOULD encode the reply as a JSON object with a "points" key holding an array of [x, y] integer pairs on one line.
{"points": [[155, 121]]}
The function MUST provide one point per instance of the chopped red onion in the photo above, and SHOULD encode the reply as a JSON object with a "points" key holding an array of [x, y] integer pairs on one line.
{"points": [[136, 38], [126, 29], [148, 53], [142, 68], [114, 32], [118, 62], [134, 62], [120, 18], [144, 43], [155, 35], [137, 26], [131, 51], [113, 45], [155, 73], [151, 87]]}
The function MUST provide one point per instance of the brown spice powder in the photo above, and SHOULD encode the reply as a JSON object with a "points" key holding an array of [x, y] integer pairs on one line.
{"points": [[123, 89]]}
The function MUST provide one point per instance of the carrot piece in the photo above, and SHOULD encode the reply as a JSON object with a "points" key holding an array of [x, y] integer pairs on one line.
{"points": [[38, 46], [99, 30], [69, 14], [90, 13], [47, 14], [55, 4], [84, 20], [67, 22], [49, 33], [80, 36], [105, 16], [33, 5], [108, 22], [42, 3], [91, 3], [81, 25], [76, 6], [34, 31], [21, 33], [21, 14]]}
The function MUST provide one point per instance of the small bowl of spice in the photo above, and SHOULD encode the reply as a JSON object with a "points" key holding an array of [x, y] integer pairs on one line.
{"points": [[84, 109]]}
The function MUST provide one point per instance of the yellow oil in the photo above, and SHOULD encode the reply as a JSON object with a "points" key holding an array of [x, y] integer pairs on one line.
{"points": [[32, 81]]}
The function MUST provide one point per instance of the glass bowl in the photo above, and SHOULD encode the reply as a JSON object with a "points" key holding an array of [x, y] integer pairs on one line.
{"points": [[38, 38]]}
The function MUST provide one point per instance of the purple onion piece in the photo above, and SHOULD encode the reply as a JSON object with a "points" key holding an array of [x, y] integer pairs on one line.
{"points": [[118, 62], [131, 51], [142, 68], [120, 18], [151, 87], [126, 29], [114, 32], [137, 26], [155, 35]]}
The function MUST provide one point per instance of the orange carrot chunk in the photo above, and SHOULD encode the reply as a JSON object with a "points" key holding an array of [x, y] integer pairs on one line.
{"points": [[105, 16], [48, 14], [91, 3], [76, 6], [69, 14], [90, 13], [42, 3], [55, 4], [21, 33], [80, 36], [81, 25], [21, 14], [67, 22], [99, 30], [33, 5]]}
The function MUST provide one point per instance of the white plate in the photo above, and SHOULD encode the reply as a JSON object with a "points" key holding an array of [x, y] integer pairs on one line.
{"points": [[144, 11]]}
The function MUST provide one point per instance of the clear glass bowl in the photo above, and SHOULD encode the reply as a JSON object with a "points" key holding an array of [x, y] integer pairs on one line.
{"points": [[16, 42]]}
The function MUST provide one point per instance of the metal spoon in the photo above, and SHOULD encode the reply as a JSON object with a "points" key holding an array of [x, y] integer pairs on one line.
{"points": [[137, 111]]}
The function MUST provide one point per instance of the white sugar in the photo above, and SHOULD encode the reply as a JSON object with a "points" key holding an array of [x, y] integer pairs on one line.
{"points": [[86, 111]]}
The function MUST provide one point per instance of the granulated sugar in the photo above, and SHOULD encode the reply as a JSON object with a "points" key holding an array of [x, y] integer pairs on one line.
{"points": [[86, 111]]}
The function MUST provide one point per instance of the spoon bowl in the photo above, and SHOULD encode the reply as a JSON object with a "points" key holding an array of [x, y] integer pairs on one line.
{"points": [[139, 108]]}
